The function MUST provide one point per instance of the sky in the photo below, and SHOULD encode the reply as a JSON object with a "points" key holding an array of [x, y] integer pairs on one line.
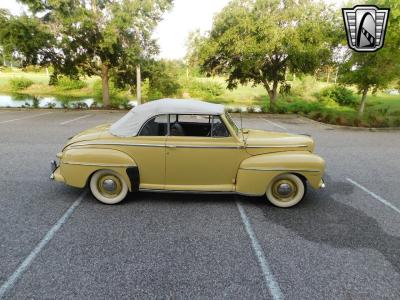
{"points": [[172, 32]]}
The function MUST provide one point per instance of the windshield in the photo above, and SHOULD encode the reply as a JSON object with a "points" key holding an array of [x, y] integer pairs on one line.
{"points": [[231, 122]]}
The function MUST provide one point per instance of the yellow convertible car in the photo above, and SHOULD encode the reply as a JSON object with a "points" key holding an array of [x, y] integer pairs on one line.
{"points": [[188, 146]]}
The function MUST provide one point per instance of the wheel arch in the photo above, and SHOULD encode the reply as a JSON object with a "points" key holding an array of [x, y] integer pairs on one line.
{"points": [[78, 165], [255, 173]]}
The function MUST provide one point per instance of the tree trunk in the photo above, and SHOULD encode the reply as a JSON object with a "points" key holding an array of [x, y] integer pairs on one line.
{"points": [[106, 90], [138, 85], [363, 100], [272, 93], [272, 101], [336, 75]]}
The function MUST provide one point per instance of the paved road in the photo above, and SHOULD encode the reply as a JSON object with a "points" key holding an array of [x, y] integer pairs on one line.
{"points": [[58, 242]]}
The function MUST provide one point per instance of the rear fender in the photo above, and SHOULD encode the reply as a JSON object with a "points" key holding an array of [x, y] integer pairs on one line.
{"points": [[256, 173]]}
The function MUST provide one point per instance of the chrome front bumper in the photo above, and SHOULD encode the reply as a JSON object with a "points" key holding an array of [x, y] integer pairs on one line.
{"points": [[322, 184], [53, 168]]}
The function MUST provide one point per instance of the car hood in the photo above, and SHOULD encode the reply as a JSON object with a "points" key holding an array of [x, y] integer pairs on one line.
{"points": [[90, 134], [259, 141]]}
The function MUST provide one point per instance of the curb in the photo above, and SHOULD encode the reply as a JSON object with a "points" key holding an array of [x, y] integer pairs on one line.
{"points": [[333, 126]]}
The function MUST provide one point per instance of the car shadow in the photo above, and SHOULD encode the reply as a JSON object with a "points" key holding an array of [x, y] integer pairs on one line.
{"points": [[183, 198], [320, 218]]}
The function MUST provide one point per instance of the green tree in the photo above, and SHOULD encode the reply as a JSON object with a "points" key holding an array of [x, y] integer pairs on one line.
{"points": [[372, 71], [193, 54], [25, 38], [162, 75], [257, 41], [163, 78], [99, 37]]}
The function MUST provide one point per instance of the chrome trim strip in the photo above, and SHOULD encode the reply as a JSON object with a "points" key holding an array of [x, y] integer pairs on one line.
{"points": [[119, 144], [206, 147], [157, 145], [287, 146], [96, 164], [186, 192], [279, 170], [184, 146]]}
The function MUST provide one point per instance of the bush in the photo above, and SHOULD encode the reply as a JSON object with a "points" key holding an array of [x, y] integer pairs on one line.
{"points": [[20, 83], [340, 94], [251, 109], [328, 102], [297, 106], [162, 87], [304, 86], [396, 122], [66, 84], [33, 69], [51, 105], [204, 89]]}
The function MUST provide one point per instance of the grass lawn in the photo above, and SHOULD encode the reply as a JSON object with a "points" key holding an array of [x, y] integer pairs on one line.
{"points": [[40, 87], [383, 102], [35, 77]]}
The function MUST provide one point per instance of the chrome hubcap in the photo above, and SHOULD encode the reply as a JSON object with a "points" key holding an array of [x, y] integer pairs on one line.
{"points": [[284, 189], [109, 185]]}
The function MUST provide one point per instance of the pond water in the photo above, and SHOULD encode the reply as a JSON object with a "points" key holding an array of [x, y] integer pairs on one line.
{"points": [[19, 100], [27, 101]]}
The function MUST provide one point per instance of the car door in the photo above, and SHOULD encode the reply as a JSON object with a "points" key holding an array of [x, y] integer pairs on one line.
{"points": [[148, 150], [198, 157]]}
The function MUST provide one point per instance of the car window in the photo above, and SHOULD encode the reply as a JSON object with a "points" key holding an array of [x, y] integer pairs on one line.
{"points": [[218, 128], [197, 125], [156, 126], [205, 119]]}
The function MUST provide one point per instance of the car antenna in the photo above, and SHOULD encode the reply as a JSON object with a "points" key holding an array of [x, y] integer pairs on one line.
{"points": [[241, 126], [241, 122]]}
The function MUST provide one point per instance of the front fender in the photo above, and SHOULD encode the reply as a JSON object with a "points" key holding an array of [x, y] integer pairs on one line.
{"points": [[255, 173], [78, 164]]}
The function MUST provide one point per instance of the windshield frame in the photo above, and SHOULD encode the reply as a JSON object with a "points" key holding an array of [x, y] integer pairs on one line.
{"points": [[231, 122]]}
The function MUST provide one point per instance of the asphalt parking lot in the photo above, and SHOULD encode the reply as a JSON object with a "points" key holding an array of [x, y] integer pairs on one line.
{"points": [[59, 242]]}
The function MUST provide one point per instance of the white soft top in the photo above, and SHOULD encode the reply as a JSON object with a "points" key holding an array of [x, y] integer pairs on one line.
{"points": [[130, 124]]}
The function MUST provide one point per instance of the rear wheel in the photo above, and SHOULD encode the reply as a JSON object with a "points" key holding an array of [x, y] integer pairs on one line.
{"points": [[108, 187], [286, 190]]}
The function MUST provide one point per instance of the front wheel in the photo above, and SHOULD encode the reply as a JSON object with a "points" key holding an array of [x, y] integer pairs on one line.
{"points": [[286, 190], [108, 187]]}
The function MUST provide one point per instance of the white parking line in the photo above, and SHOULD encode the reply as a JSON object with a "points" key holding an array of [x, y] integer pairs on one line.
{"points": [[76, 119], [270, 281], [29, 117], [380, 199], [274, 124], [9, 283]]}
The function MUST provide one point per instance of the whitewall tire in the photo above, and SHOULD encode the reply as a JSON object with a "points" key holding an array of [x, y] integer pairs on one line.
{"points": [[108, 187], [286, 190]]}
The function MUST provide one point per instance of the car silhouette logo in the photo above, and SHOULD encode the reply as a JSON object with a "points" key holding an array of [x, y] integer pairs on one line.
{"points": [[365, 27]]}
